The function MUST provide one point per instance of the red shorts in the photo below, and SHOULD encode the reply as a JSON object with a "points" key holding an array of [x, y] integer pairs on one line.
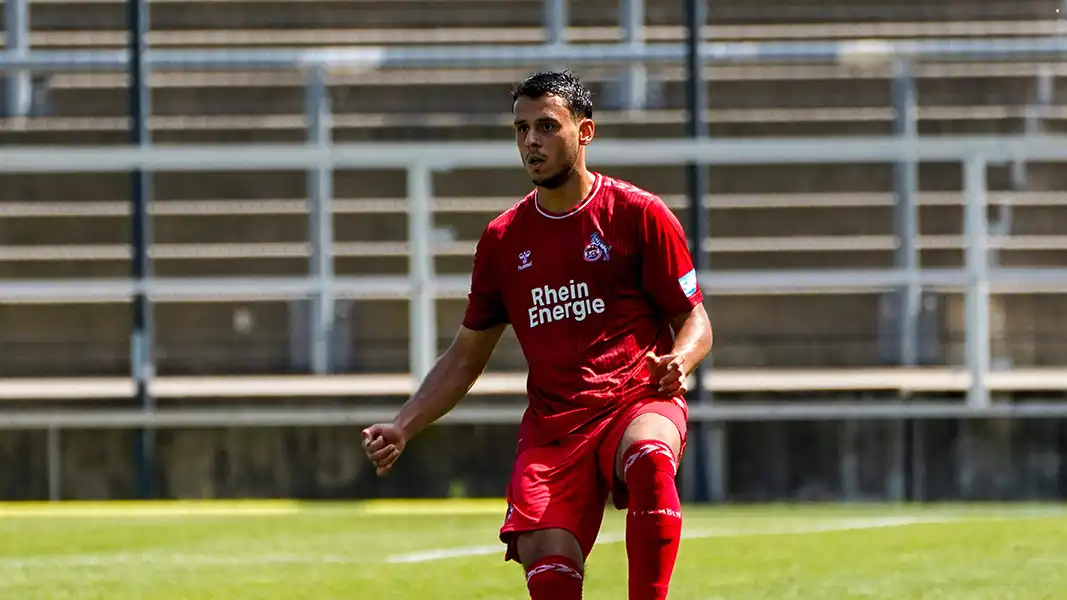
{"points": [[566, 484]]}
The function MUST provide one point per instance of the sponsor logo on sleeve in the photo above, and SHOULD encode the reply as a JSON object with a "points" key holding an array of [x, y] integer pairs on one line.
{"points": [[688, 283]]}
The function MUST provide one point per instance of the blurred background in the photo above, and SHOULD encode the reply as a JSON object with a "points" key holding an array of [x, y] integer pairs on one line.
{"points": [[875, 320]]}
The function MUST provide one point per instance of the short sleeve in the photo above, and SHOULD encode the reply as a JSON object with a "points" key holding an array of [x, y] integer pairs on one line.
{"points": [[485, 302], [667, 272]]}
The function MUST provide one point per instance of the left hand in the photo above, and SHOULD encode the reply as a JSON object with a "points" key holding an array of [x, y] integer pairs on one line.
{"points": [[668, 373]]}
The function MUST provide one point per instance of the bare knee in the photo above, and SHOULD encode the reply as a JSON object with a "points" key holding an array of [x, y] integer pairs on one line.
{"points": [[649, 426], [535, 545]]}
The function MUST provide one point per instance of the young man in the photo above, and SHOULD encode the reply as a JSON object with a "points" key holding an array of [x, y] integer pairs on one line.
{"points": [[593, 274]]}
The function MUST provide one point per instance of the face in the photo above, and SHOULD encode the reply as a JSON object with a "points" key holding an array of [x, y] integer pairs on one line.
{"points": [[550, 139]]}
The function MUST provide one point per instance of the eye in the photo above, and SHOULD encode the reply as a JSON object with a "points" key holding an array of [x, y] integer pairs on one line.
{"points": [[546, 127]]}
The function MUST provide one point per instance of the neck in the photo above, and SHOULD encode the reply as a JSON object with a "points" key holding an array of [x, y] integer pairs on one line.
{"points": [[569, 195]]}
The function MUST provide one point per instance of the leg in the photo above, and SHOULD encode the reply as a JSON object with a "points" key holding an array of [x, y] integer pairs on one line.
{"points": [[554, 564], [555, 507], [534, 547], [644, 466], [648, 428]]}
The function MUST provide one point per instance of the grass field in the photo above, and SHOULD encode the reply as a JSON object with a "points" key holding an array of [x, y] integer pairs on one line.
{"points": [[431, 550]]}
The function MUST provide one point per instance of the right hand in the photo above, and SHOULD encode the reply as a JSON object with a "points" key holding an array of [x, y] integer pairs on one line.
{"points": [[383, 444]]}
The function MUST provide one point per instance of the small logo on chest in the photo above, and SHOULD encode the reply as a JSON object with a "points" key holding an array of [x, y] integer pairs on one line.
{"points": [[524, 260], [597, 249]]}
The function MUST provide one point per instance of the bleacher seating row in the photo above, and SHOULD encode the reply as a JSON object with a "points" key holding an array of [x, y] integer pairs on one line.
{"points": [[769, 217], [63, 39], [730, 381]]}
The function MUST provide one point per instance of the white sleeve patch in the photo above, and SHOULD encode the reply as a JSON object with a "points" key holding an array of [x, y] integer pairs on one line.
{"points": [[689, 283]]}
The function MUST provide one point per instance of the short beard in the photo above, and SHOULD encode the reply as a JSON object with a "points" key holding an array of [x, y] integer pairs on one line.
{"points": [[563, 176]]}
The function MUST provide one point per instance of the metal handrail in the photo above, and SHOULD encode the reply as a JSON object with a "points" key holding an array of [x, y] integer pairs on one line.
{"points": [[372, 57]]}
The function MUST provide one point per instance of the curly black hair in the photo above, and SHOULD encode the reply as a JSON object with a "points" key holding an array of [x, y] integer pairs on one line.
{"points": [[564, 84]]}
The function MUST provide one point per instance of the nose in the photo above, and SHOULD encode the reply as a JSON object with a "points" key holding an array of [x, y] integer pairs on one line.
{"points": [[532, 140]]}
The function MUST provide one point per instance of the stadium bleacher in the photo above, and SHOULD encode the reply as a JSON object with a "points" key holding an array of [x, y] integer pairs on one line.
{"points": [[760, 217], [768, 217]]}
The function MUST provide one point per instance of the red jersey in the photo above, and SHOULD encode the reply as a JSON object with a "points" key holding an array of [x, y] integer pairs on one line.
{"points": [[588, 293]]}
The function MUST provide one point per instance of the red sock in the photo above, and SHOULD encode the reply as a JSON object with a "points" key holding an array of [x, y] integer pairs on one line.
{"points": [[654, 519], [554, 578]]}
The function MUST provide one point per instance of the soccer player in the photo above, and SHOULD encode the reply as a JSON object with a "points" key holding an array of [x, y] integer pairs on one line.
{"points": [[593, 274]]}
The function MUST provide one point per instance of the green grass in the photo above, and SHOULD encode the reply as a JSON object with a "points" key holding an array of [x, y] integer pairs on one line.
{"points": [[284, 550]]}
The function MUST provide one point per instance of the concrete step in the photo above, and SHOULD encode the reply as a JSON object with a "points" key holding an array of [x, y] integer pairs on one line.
{"points": [[249, 14], [400, 128], [821, 11], [97, 39], [231, 338], [498, 182], [93, 339], [202, 96], [496, 125], [71, 263], [937, 225], [651, 124], [432, 14]]}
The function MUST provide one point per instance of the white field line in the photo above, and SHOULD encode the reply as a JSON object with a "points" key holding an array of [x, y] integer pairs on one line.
{"points": [[840, 525], [176, 560], [186, 560]]}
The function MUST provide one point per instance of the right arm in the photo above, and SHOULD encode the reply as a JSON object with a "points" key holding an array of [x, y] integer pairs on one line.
{"points": [[465, 360], [449, 380], [456, 371]]}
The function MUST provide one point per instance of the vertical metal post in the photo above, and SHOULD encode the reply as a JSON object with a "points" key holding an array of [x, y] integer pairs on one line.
{"points": [[634, 82], [895, 483], [848, 461], [141, 235], [1044, 91], [555, 20], [918, 461], [906, 226], [320, 226], [906, 217], [423, 350], [55, 461], [976, 229], [19, 91], [1061, 439], [708, 479]]}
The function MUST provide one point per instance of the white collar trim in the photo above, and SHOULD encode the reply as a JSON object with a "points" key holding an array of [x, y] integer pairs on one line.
{"points": [[577, 209]]}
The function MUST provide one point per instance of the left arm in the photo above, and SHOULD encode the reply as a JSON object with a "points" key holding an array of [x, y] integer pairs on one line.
{"points": [[692, 343], [692, 337], [669, 277]]}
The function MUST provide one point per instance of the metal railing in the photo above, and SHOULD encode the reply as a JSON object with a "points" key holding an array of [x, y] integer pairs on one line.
{"points": [[320, 156], [420, 159], [18, 60], [632, 52], [451, 56]]}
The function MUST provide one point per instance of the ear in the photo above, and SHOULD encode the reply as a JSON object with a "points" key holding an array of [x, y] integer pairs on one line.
{"points": [[586, 130]]}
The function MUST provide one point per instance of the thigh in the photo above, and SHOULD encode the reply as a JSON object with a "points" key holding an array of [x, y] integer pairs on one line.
{"points": [[608, 452], [555, 486]]}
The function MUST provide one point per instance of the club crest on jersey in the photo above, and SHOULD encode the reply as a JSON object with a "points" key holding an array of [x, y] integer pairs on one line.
{"points": [[524, 260], [597, 249]]}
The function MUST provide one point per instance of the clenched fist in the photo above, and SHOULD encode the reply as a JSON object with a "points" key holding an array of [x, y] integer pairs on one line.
{"points": [[667, 373], [383, 444]]}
